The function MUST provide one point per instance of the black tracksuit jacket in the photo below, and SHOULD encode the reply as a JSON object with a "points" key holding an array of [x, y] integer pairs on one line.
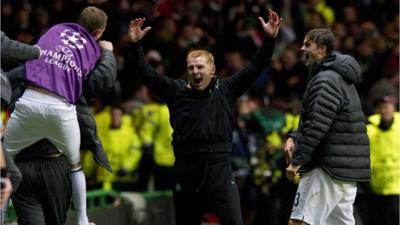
{"points": [[202, 121]]}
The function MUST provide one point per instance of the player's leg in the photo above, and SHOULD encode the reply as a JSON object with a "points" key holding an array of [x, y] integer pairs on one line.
{"points": [[343, 212], [317, 195], [23, 127], [67, 139]]}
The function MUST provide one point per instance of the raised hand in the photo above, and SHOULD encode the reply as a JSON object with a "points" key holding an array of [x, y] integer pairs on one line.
{"points": [[135, 31], [272, 27]]}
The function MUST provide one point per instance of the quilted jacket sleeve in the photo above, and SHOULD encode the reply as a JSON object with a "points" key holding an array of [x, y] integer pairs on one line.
{"points": [[103, 77], [322, 101], [15, 52]]}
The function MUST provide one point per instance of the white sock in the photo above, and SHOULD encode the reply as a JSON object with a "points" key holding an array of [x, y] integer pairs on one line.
{"points": [[79, 196]]}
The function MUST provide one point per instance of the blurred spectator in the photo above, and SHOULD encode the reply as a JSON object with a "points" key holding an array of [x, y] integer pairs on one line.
{"points": [[384, 132], [289, 75], [234, 62], [324, 10], [244, 148], [155, 60], [155, 134], [157, 160], [122, 146], [315, 20], [41, 20]]}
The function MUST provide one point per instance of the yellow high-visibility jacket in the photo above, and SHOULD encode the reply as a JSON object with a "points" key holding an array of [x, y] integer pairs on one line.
{"points": [[156, 130], [103, 120], [385, 156], [291, 122], [123, 149]]}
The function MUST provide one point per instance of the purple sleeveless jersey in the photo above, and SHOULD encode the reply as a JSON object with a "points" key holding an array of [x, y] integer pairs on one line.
{"points": [[68, 53]]}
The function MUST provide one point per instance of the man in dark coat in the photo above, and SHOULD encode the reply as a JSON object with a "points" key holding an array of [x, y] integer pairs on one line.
{"points": [[12, 53], [201, 115], [330, 148]]}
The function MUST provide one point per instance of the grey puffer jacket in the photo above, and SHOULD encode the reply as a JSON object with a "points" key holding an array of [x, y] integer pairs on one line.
{"points": [[332, 130], [12, 53]]}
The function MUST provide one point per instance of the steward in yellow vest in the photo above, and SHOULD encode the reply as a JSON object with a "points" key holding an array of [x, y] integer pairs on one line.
{"points": [[155, 132], [384, 136], [123, 148], [385, 154]]}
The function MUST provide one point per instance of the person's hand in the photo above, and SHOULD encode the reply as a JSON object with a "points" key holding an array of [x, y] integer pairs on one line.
{"points": [[106, 45], [6, 188], [289, 149], [135, 31], [37, 46], [292, 171], [272, 27]]}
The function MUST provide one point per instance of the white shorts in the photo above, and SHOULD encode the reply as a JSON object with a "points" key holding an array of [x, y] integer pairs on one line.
{"points": [[39, 115], [322, 200]]}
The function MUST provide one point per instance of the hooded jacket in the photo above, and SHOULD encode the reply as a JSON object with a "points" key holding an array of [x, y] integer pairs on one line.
{"points": [[332, 129]]}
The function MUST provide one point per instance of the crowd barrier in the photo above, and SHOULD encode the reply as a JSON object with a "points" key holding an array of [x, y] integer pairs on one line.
{"points": [[123, 208]]}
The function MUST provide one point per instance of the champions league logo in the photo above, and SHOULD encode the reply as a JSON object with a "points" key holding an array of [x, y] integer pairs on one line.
{"points": [[65, 50], [62, 57], [72, 39]]}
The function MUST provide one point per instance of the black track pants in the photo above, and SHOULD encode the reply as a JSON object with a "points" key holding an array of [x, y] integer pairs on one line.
{"points": [[201, 187], [44, 194]]}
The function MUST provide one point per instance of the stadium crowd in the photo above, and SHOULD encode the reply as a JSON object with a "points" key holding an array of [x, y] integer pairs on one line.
{"points": [[133, 123]]}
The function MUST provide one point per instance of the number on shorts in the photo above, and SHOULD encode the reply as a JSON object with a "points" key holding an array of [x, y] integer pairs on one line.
{"points": [[296, 199]]}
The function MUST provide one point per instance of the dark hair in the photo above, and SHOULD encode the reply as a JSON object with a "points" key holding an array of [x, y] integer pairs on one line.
{"points": [[384, 99], [92, 18], [322, 37]]}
